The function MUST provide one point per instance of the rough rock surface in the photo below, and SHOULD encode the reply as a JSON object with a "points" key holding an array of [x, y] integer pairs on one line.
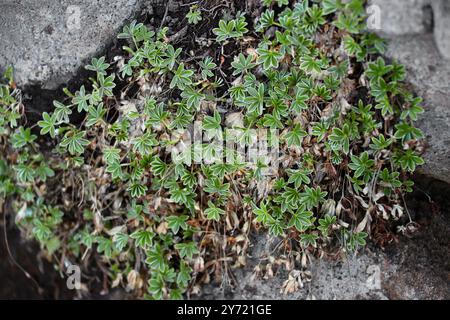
{"points": [[419, 37], [429, 74], [441, 10], [402, 17], [407, 17], [47, 41]]}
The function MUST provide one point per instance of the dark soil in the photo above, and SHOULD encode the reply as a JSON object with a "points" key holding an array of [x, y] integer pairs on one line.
{"points": [[23, 258]]}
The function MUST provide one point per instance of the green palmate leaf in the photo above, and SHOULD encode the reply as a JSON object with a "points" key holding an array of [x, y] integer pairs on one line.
{"points": [[105, 246], [41, 231], [292, 196], [144, 144], [295, 136], [95, 115], [225, 30], [272, 122], [189, 179], [175, 223], [326, 223], [61, 112], [74, 142], [262, 213], [269, 57], [309, 239], [362, 166], [187, 250], [48, 124], [348, 22], [158, 166], [85, 237], [212, 123], [207, 65], [120, 240], [266, 20], [413, 110], [281, 3], [24, 173], [155, 258], [242, 64], [184, 275], [213, 212], [131, 31], [181, 195], [299, 103], [340, 138], [111, 154], [398, 72], [408, 160], [406, 132], [310, 65], [314, 18], [301, 219], [221, 169], [156, 115], [385, 106], [43, 172], [156, 287], [312, 197], [330, 6], [276, 227], [172, 56], [22, 137], [299, 177], [320, 130], [104, 86], [255, 100], [390, 179], [81, 99], [137, 189], [115, 169], [143, 238], [351, 46], [380, 143], [193, 98], [194, 15], [98, 65], [181, 78], [214, 185], [355, 239], [321, 91], [378, 69], [380, 89]]}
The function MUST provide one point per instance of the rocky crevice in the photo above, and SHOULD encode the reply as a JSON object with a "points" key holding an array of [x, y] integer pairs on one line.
{"points": [[45, 55]]}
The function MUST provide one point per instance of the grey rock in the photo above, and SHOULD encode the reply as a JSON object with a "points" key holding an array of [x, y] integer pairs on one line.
{"points": [[441, 10], [48, 41], [402, 17], [429, 75], [408, 17]]}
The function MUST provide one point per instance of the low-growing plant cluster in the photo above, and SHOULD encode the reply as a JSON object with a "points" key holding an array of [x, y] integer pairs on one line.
{"points": [[107, 192]]}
